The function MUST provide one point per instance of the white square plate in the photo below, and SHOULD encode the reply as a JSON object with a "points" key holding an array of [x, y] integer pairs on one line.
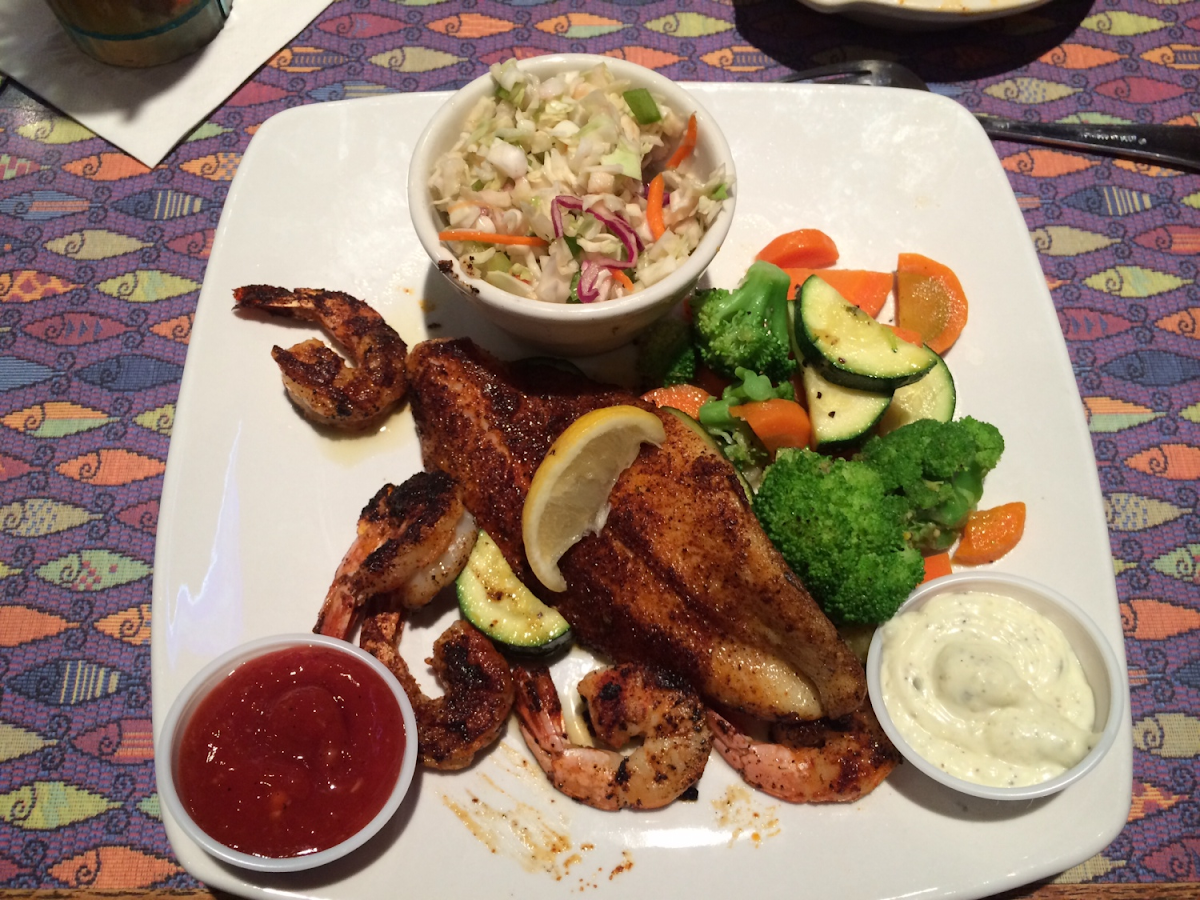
{"points": [[258, 506]]}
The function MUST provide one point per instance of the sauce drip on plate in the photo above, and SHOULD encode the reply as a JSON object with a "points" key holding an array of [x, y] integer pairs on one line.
{"points": [[293, 753]]}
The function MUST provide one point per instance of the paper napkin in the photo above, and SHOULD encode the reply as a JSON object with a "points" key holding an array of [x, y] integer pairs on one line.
{"points": [[145, 112]]}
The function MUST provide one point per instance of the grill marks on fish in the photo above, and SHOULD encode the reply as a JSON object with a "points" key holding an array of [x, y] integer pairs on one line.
{"points": [[712, 548], [681, 576], [496, 423]]}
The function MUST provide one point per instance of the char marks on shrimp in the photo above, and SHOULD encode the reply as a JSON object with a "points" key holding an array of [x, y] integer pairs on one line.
{"points": [[406, 535], [316, 378], [478, 688], [412, 540], [828, 761], [623, 703]]}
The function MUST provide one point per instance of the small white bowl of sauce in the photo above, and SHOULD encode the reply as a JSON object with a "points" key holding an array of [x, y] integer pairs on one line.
{"points": [[996, 686], [287, 753]]}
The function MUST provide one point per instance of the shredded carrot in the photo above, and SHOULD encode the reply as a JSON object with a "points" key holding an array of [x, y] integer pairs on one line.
{"points": [[930, 300], [777, 423], [936, 566], [866, 290], [808, 248], [990, 533], [686, 146], [488, 237], [684, 397], [654, 206], [622, 279]]}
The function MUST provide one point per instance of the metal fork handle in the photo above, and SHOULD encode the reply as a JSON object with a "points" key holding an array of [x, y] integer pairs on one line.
{"points": [[1168, 145]]}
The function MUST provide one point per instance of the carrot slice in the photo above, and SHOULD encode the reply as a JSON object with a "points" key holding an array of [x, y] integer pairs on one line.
{"points": [[936, 566], [488, 237], [622, 279], [807, 248], [684, 397], [686, 146], [866, 290], [990, 533], [654, 206], [930, 300], [778, 423]]}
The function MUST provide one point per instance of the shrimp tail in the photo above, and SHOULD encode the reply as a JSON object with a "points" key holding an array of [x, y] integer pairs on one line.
{"points": [[826, 761], [410, 541], [625, 702]]}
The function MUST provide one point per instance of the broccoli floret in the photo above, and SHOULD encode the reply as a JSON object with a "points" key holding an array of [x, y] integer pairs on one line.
{"points": [[841, 532], [938, 468], [748, 326], [750, 387], [736, 439], [665, 354]]}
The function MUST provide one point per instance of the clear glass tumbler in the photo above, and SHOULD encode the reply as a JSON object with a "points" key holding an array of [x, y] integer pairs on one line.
{"points": [[141, 33]]}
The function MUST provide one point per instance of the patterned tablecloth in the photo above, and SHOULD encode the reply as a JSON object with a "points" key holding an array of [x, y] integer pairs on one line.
{"points": [[101, 262]]}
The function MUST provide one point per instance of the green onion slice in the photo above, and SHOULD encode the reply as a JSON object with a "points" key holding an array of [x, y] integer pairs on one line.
{"points": [[642, 105]]}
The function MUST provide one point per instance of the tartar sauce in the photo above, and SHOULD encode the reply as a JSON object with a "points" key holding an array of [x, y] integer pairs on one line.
{"points": [[987, 689]]}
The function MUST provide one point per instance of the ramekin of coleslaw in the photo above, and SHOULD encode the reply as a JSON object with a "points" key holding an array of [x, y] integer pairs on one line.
{"points": [[573, 199]]}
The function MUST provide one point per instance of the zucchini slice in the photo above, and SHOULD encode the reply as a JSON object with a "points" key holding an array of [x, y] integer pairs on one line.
{"points": [[493, 599], [851, 348], [841, 416], [933, 397]]}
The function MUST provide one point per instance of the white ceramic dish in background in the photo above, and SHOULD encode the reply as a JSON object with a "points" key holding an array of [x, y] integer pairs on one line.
{"points": [[258, 507], [1100, 667], [572, 329], [194, 692], [923, 15]]}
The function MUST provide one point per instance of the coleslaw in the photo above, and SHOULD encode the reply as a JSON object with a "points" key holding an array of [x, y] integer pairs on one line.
{"points": [[546, 191]]}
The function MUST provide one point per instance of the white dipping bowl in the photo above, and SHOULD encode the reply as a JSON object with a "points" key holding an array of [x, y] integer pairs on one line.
{"points": [[167, 747], [1099, 662], [577, 329]]}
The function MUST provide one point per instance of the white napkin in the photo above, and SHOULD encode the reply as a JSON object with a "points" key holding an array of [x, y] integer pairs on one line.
{"points": [[145, 112]]}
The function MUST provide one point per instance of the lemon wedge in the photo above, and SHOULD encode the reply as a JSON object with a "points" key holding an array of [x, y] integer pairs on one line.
{"points": [[568, 496]]}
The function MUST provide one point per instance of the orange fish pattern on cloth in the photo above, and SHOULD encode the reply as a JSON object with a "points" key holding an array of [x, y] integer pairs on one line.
{"points": [[101, 260]]}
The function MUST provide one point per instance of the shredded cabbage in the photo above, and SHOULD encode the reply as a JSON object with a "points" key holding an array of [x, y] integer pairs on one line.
{"points": [[572, 136]]}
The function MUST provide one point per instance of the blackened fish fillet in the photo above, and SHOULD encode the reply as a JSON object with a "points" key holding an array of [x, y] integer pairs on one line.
{"points": [[681, 575]]}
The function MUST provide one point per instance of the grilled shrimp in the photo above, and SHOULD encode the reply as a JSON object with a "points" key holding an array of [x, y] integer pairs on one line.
{"points": [[825, 761], [478, 697], [316, 378], [623, 702], [412, 540]]}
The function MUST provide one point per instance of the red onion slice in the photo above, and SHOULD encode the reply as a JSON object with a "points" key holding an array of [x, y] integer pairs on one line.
{"points": [[622, 229], [615, 224], [609, 263], [589, 272], [557, 205]]}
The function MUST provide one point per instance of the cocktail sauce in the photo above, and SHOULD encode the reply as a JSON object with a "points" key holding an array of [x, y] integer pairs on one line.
{"points": [[292, 753]]}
